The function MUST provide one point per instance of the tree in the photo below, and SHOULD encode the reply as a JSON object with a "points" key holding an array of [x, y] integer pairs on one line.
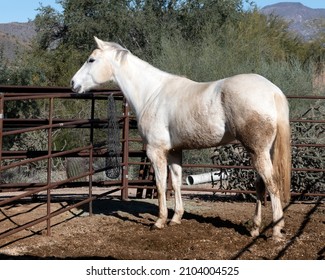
{"points": [[137, 25], [146, 27]]}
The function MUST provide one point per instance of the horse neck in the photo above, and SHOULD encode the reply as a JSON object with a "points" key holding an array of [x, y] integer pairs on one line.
{"points": [[139, 81]]}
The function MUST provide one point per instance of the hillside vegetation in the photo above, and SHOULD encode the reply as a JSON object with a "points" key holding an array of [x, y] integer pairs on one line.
{"points": [[15, 38], [204, 40]]}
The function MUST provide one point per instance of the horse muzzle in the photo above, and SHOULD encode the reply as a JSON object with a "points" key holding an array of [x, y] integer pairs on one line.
{"points": [[75, 88]]}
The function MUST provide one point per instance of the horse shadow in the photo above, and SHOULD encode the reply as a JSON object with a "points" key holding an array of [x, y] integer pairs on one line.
{"points": [[137, 209]]}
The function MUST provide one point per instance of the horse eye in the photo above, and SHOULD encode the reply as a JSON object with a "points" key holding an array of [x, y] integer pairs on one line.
{"points": [[91, 60]]}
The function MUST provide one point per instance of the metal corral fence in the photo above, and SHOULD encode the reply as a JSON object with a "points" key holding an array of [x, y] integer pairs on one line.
{"points": [[32, 142]]}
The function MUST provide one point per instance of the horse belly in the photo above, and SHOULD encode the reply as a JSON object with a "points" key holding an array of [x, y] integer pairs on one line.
{"points": [[197, 136]]}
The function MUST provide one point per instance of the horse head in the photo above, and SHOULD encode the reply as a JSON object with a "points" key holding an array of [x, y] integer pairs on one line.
{"points": [[98, 69]]}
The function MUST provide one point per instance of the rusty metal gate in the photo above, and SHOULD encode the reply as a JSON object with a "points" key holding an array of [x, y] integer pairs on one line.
{"points": [[136, 174]]}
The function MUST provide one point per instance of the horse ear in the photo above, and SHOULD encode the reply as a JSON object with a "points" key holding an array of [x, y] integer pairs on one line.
{"points": [[100, 43]]}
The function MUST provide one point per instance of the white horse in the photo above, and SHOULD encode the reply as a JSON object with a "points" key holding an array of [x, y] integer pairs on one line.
{"points": [[175, 113]]}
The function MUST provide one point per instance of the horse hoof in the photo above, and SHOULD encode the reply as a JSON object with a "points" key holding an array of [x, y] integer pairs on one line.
{"points": [[255, 233], [154, 227], [173, 223], [278, 238]]}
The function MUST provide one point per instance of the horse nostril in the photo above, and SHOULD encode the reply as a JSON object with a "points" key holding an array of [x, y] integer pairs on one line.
{"points": [[74, 87]]}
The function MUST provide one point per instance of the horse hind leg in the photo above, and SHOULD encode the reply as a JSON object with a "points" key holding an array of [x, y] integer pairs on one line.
{"points": [[263, 164], [258, 136], [257, 220]]}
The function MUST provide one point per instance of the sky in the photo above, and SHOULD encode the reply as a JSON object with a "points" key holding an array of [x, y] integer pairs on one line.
{"points": [[24, 10]]}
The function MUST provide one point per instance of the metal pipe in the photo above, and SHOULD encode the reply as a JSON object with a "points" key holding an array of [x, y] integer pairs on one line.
{"points": [[206, 177], [90, 192], [58, 125], [49, 165], [57, 154]]}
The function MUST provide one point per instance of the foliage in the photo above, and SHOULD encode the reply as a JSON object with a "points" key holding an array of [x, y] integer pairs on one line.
{"points": [[240, 48], [216, 35]]}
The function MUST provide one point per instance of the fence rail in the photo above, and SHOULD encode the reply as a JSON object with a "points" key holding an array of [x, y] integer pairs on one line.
{"points": [[131, 157]]}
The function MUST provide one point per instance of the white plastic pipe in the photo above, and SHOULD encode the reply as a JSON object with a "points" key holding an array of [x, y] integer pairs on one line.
{"points": [[206, 177]]}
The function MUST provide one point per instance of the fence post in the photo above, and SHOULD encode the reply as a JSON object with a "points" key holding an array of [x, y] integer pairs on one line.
{"points": [[91, 158], [1, 123], [49, 166], [125, 173]]}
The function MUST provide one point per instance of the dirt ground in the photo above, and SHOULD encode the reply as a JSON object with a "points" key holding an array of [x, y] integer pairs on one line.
{"points": [[212, 228]]}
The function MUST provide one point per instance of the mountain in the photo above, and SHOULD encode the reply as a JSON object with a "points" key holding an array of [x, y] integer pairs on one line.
{"points": [[304, 21], [15, 37]]}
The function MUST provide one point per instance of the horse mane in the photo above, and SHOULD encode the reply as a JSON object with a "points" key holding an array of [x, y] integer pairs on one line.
{"points": [[121, 52], [115, 46]]}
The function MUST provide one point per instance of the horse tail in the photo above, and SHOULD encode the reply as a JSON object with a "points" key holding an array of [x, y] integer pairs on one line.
{"points": [[282, 148]]}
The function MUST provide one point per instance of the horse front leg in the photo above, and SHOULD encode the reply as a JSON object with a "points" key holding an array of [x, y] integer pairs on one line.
{"points": [[175, 167], [159, 162]]}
